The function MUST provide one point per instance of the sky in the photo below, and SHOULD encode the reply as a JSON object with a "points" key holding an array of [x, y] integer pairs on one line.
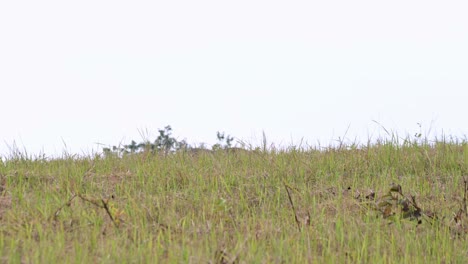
{"points": [[79, 75]]}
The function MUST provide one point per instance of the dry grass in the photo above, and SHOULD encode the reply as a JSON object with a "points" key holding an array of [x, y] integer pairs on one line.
{"points": [[381, 203]]}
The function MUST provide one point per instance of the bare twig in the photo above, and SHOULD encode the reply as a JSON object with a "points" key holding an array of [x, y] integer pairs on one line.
{"points": [[105, 205], [293, 208], [68, 203], [102, 203], [464, 196]]}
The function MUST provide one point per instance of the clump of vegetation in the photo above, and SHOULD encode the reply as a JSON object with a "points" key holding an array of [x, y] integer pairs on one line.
{"points": [[224, 141], [390, 201], [166, 143]]}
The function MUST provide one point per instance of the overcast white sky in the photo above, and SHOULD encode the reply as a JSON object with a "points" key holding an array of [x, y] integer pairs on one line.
{"points": [[83, 72]]}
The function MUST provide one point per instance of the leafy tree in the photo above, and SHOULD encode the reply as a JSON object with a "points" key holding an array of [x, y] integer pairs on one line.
{"points": [[224, 141], [166, 143]]}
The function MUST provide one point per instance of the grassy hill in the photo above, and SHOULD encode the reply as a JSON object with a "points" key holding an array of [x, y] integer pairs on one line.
{"points": [[388, 202]]}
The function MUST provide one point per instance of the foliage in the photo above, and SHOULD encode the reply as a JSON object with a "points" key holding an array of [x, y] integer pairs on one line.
{"points": [[224, 141], [166, 143]]}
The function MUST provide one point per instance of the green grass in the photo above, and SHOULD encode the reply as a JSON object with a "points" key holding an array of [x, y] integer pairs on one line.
{"points": [[224, 207]]}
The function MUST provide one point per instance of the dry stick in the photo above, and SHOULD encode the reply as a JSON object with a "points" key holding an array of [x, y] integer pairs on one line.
{"points": [[95, 202], [109, 213], [293, 208], [289, 195], [464, 196], [74, 195], [68, 203], [101, 204]]}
